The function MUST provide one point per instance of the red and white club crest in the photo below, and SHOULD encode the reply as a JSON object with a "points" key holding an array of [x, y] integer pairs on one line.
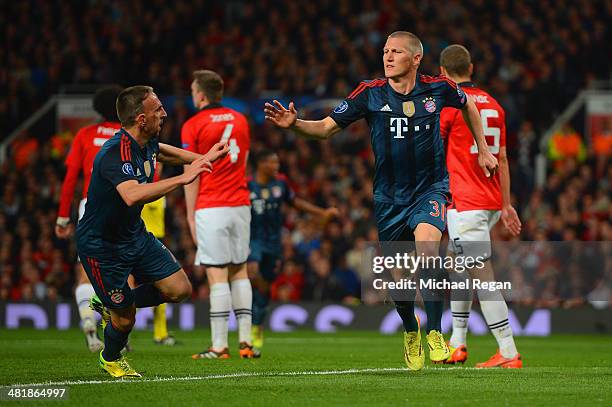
{"points": [[430, 104], [116, 296]]}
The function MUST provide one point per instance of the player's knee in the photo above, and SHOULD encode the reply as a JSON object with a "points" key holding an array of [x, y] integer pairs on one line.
{"points": [[180, 292]]}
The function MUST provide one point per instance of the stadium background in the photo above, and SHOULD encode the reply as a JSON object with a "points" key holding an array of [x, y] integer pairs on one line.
{"points": [[534, 57]]}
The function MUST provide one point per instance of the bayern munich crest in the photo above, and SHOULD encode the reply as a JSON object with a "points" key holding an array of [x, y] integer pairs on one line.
{"points": [[116, 296], [430, 104]]}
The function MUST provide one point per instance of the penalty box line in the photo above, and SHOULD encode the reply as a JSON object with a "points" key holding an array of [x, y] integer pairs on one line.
{"points": [[231, 376]]}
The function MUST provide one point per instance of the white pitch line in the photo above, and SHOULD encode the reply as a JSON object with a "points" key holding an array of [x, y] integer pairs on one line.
{"points": [[230, 376]]}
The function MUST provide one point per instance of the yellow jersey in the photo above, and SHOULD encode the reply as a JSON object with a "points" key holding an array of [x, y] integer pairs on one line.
{"points": [[153, 217]]}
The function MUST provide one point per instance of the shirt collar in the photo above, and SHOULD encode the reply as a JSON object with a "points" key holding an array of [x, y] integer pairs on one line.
{"points": [[212, 106]]}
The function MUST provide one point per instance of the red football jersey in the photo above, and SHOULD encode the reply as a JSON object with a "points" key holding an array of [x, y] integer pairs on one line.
{"points": [[85, 146], [227, 184], [469, 187]]}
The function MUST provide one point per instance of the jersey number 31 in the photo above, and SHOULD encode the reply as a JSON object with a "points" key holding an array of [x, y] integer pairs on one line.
{"points": [[494, 132]]}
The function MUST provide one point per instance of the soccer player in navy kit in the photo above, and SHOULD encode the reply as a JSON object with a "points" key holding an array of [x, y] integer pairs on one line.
{"points": [[411, 181], [268, 191], [112, 241]]}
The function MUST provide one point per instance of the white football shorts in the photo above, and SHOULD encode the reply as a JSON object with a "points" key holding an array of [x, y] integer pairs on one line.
{"points": [[223, 235], [469, 231]]}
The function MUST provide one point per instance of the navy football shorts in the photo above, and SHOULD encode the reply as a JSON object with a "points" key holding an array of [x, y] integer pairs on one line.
{"points": [[398, 222], [268, 260], [108, 270]]}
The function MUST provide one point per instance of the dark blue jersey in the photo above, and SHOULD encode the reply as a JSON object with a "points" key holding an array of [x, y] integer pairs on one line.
{"points": [[405, 134], [266, 211], [107, 218]]}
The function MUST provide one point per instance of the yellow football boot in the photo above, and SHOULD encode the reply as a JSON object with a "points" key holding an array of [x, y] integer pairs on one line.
{"points": [[119, 367], [413, 349], [438, 349], [257, 333]]}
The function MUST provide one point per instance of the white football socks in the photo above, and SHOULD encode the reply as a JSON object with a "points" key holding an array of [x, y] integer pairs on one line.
{"points": [[83, 294], [495, 313], [461, 312], [242, 303], [220, 306]]}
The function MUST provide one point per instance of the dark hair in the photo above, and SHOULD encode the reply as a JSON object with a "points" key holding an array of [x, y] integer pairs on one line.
{"points": [[129, 103], [263, 155], [104, 102], [210, 83], [456, 60]]}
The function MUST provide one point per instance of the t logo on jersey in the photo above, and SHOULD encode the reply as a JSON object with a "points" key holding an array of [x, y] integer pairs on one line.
{"points": [[398, 126]]}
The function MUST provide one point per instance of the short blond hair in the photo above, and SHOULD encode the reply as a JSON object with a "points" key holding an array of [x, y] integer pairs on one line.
{"points": [[414, 43]]}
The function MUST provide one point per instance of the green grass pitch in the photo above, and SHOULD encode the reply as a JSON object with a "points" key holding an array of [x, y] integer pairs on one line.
{"points": [[310, 369]]}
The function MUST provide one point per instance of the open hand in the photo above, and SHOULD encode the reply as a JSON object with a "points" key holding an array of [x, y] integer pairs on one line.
{"points": [[280, 116]]}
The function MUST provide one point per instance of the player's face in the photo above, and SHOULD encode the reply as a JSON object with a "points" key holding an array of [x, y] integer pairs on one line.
{"points": [[154, 115], [397, 58], [271, 165]]}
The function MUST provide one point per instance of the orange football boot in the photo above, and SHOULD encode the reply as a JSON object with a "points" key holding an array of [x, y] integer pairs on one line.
{"points": [[458, 355], [498, 360], [247, 352]]}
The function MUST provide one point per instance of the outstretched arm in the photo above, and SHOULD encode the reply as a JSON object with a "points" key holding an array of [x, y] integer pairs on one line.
{"points": [[287, 119], [177, 156], [325, 213], [134, 193]]}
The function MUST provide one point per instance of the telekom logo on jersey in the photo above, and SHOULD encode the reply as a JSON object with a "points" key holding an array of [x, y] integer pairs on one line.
{"points": [[399, 126]]}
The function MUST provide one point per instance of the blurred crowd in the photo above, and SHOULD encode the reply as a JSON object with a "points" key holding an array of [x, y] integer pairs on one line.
{"points": [[535, 58]]}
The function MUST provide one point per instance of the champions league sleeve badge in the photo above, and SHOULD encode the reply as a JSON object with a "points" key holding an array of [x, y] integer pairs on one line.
{"points": [[128, 169], [342, 107]]}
